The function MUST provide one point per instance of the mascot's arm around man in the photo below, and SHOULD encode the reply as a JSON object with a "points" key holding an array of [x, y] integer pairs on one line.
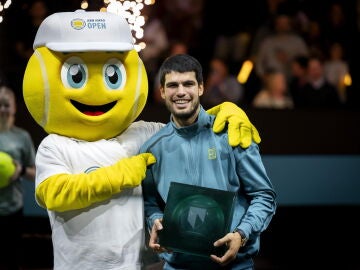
{"points": [[65, 191], [85, 85]]}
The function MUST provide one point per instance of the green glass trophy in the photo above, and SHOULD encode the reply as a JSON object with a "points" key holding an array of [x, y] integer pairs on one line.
{"points": [[194, 218]]}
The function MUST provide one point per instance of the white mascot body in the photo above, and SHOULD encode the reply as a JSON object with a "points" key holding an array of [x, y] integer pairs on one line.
{"points": [[85, 85]]}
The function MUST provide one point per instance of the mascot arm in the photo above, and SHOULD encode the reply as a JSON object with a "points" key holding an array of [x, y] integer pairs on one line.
{"points": [[63, 192], [240, 130]]}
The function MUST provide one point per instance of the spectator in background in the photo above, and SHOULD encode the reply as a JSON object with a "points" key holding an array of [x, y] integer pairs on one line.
{"points": [[17, 143], [336, 68], [183, 20], [314, 38], [337, 27], [157, 45], [318, 92], [220, 85], [274, 94], [36, 13], [156, 40], [273, 7], [298, 78], [278, 49], [23, 37]]}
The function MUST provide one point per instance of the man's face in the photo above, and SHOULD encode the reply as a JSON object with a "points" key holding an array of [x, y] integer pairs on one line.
{"points": [[315, 70], [181, 93]]}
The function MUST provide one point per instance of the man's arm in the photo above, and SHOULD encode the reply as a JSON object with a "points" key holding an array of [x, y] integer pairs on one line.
{"points": [[152, 200], [257, 188]]}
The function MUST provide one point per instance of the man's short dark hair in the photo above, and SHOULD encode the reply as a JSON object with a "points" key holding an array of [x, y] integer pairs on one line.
{"points": [[181, 63]]}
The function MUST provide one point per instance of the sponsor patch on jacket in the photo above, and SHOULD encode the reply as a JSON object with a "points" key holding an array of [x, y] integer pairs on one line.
{"points": [[211, 153]]}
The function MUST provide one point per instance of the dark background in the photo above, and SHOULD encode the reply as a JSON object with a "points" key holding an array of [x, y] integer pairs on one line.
{"points": [[312, 156]]}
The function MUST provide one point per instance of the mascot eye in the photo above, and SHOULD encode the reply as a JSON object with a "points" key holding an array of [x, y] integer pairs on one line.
{"points": [[74, 73], [114, 74]]}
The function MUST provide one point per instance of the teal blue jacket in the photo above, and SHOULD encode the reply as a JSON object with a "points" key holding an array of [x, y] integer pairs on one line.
{"points": [[198, 156]]}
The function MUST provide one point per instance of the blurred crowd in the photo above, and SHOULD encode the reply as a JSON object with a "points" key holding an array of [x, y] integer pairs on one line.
{"points": [[302, 53]]}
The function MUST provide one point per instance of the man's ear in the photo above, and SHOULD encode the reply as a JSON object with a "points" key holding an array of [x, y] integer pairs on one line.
{"points": [[162, 92], [201, 89]]}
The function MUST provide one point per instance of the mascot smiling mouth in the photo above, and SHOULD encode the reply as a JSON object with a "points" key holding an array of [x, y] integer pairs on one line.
{"points": [[93, 110]]}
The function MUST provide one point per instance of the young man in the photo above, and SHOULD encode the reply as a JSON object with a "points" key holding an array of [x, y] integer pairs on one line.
{"points": [[181, 150]]}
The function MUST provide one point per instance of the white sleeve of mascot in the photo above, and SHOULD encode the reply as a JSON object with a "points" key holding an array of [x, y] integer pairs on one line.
{"points": [[63, 184]]}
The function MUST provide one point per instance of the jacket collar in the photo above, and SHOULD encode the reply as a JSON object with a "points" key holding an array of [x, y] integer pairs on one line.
{"points": [[203, 121]]}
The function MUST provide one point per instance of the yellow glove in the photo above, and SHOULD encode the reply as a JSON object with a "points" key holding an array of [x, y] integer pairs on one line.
{"points": [[63, 192], [240, 130]]}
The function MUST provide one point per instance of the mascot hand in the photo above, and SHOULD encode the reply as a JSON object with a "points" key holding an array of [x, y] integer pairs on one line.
{"points": [[64, 192], [131, 171], [240, 130]]}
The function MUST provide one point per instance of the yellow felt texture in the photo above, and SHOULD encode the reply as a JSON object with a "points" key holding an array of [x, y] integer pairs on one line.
{"points": [[51, 102], [64, 192], [7, 169], [240, 130]]}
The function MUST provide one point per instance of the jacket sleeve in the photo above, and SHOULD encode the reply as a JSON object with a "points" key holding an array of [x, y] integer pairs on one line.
{"points": [[258, 190], [153, 203]]}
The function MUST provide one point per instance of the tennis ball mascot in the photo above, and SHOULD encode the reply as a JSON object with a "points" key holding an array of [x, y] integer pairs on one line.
{"points": [[85, 85]]}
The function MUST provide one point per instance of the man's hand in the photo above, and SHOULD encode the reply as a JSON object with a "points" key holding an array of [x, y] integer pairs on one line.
{"points": [[233, 242], [241, 131], [153, 242]]}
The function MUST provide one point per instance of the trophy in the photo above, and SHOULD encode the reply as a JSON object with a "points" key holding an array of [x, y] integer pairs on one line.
{"points": [[194, 218]]}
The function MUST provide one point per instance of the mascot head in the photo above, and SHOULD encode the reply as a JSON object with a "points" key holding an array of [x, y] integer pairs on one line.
{"points": [[84, 79]]}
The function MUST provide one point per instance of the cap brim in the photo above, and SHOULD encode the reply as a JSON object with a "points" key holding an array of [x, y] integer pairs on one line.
{"points": [[90, 46]]}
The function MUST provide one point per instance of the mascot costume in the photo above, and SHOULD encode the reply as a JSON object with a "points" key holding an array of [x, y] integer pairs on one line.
{"points": [[85, 85]]}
